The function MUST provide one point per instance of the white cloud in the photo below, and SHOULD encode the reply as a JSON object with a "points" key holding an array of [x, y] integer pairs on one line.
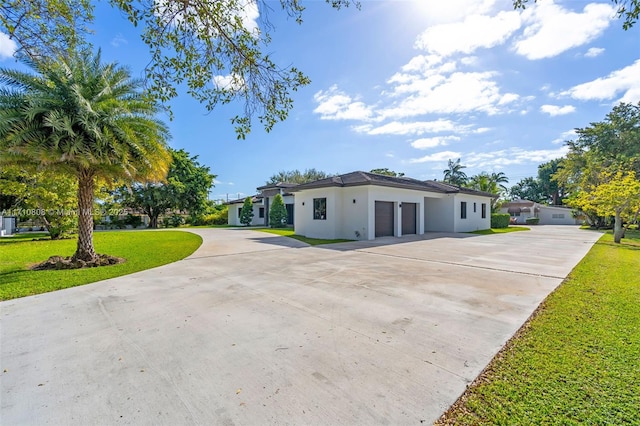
{"points": [[624, 80], [118, 40], [246, 10], [425, 143], [554, 110], [442, 12], [334, 104], [7, 46], [444, 94], [465, 37], [552, 29], [511, 156], [410, 128], [438, 156], [594, 51], [228, 82], [565, 136]]}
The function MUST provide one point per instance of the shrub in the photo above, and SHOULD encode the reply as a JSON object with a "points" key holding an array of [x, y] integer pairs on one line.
{"points": [[220, 217], [246, 214], [278, 213], [500, 220], [532, 220], [172, 221]]}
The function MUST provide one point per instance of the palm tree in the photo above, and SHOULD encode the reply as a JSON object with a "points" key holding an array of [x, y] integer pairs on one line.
{"points": [[79, 116], [500, 179], [453, 174]]}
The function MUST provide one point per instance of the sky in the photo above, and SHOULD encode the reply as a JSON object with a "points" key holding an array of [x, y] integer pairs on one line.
{"points": [[408, 85]]}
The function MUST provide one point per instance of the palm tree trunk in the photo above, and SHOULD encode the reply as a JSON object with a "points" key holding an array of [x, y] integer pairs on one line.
{"points": [[85, 250]]}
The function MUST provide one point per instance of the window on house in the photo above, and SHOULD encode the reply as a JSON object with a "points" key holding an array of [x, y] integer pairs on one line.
{"points": [[319, 208], [463, 210], [261, 212], [484, 210], [239, 212], [474, 207], [557, 216]]}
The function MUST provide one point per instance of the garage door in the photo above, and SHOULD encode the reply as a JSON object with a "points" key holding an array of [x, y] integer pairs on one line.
{"points": [[384, 219], [408, 218]]}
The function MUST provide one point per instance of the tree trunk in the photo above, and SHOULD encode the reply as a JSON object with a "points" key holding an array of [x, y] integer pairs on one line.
{"points": [[617, 228], [85, 250]]}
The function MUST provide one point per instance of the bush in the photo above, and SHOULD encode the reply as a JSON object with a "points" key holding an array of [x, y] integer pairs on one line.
{"points": [[532, 220], [172, 221], [278, 213], [220, 217], [500, 220]]}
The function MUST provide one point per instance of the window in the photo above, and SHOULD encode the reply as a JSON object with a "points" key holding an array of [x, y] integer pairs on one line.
{"points": [[557, 216], [261, 212], [239, 212], [319, 208], [474, 207], [484, 210], [463, 210]]}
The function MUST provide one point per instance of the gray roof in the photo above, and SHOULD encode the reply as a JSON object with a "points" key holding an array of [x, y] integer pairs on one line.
{"points": [[366, 178], [283, 185]]}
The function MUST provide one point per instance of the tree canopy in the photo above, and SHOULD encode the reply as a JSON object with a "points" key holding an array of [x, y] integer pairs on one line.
{"points": [[219, 50], [186, 189], [296, 176], [386, 172], [78, 116], [544, 188], [453, 174]]}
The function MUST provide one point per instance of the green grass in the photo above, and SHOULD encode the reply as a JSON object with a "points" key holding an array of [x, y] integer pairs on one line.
{"points": [[142, 250], [577, 360], [501, 230], [287, 232]]}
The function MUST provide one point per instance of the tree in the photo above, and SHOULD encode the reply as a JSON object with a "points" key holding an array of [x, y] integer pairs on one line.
{"points": [[528, 188], [186, 188], [246, 213], [492, 183], [602, 148], [191, 44], [453, 174], [618, 195], [386, 172], [79, 116], [45, 197], [627, 9], [278, 212], [296, 176]]}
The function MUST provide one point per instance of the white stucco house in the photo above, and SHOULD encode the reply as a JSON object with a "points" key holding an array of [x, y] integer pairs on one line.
{"points": [[262, 203], [365, 206], [520, 210]]}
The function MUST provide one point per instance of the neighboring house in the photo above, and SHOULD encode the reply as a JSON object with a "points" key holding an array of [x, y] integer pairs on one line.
{"points": [[8, 225], [520, 210], [262, 202], [361, 205]]}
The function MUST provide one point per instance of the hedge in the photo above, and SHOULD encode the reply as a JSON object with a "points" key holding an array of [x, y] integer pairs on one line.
{"points": [[500, 220]]}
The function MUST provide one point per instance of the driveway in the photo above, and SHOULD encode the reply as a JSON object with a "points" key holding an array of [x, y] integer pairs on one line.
{"points": [[257, 329]]}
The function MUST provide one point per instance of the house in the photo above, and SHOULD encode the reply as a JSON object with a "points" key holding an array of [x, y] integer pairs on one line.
{"points": [[520, 210], [361, 205], [8, 225], [262, 202]]}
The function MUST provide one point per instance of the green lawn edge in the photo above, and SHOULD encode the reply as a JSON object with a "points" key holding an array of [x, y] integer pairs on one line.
{"points": [[288, 232], [575, 361], [500, 230], [142, 249]]}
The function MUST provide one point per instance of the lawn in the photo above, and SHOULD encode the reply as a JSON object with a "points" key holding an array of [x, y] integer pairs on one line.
{"points": [[141, 249], [501, 230], [576, 361], [287, 232]]}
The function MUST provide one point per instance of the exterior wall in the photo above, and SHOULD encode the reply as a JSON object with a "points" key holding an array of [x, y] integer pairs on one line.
{"points": [[354, 224], [233, 217], [474, 220], [304, 222], [439, 214], [546, 215], [556, 216]]}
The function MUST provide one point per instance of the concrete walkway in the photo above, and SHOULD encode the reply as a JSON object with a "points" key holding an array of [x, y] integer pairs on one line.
{"points": [[256, 329]]}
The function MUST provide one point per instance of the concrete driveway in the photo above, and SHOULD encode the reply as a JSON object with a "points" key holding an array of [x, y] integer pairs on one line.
{"points": [[256, 329]]}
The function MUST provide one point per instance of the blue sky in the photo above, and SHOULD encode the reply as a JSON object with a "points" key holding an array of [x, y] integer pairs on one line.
{"points": [[408, 85]]}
